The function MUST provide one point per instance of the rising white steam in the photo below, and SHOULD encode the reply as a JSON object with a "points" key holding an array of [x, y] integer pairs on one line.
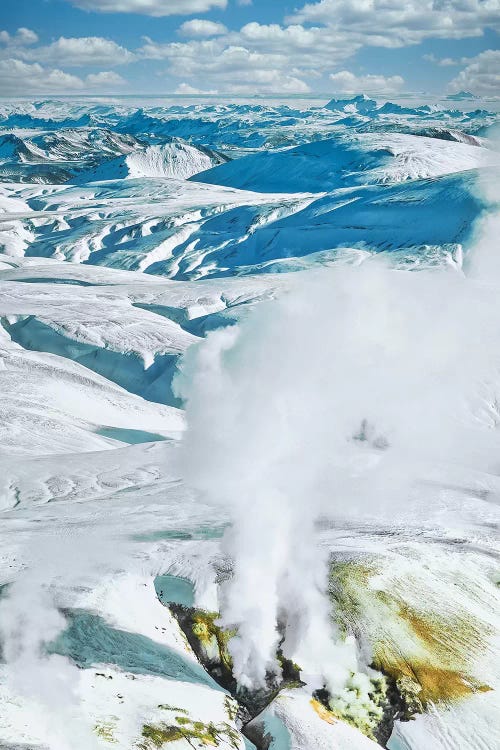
{"points": [[484, 262], [340, 395], [49, 685]]}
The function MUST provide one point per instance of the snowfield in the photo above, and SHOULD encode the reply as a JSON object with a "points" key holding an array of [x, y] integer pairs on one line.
{"points": [[249, 475]]}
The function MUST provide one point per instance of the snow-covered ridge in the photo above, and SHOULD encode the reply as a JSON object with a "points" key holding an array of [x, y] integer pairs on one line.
{"points": [[346, 160], [175, 160], [49, 156], [87, 155]]}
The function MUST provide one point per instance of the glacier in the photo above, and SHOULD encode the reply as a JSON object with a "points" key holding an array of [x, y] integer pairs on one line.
{"points": [[249, 424]]}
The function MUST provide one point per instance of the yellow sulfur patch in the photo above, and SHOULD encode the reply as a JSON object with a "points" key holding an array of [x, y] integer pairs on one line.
{"points": [[323, 712], [429, 647], [104, 730], [431, 684]]}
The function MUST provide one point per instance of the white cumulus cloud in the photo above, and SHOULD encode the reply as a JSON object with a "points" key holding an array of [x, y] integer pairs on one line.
{"points": [[396, 23], [105, 79], [254, 59], [319, 36], [445, 62], [19, 78], [199, 27], [80, 51], [481, 76], [229, 68], [347, 83], [22, 37], [150, 7], [185, 88], [26, 36]]}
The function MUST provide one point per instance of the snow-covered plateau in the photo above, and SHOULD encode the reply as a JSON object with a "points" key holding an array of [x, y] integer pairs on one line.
{"points": [[249, 425]]}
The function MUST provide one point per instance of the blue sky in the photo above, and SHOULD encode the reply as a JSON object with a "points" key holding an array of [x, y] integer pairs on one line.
{"points": [[240, 47]]}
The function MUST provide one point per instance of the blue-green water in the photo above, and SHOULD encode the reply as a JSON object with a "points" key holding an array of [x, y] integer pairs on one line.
{"points": [[278, 731], [197, 532], [397, 743], [174, 589], [132, 437], [90, 641]]}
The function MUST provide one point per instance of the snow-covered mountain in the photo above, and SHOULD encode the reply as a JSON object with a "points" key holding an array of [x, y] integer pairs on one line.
{"points": [[172, 160], [325, 165], [248, 439]]}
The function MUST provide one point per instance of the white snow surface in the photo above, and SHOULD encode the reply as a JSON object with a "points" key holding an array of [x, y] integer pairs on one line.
{"points": [[125, 239]]}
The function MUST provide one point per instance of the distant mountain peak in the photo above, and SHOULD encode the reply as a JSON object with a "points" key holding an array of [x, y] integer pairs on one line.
{"points": [[461, 95], [360, 102]]}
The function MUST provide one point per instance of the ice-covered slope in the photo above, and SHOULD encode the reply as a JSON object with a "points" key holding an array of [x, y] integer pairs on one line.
{"points": [[144, 224], [127, 327], [189, 230], [51, 404]]}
